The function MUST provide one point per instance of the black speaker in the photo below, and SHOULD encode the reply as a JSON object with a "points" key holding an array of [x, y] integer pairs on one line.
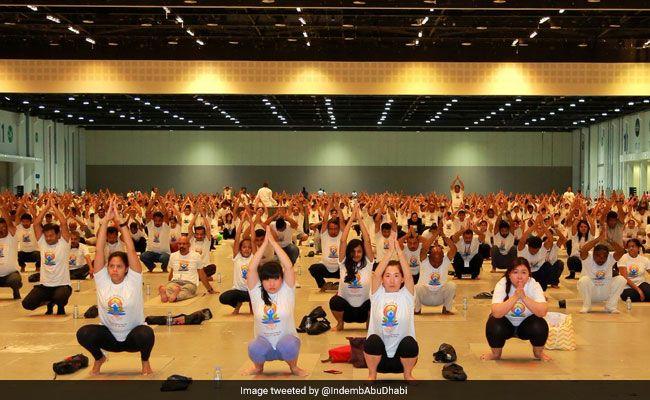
{"points": [[20, 190], [632, 191]]}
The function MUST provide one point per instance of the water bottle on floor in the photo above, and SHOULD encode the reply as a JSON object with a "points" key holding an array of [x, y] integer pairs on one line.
{"points": [[75, 312], [170, 319], [77, 286], [218, 277], [628, 304], [465, 303], [148, 289], [217, 377]]}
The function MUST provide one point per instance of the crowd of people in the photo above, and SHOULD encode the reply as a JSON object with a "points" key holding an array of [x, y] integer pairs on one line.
{"points": [[406, 253]]}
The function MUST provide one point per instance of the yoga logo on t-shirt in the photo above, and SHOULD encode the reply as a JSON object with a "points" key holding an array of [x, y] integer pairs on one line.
{"points": [[184, 266], [633, 271], [2, 251], [386, 245], [600, 275], [389, 320], [518, 310], [435, 279], [73, 260], [356, 283], [244, 271], [156, 237], [115, 306], [26, 238], [413, 262], [334, 252], [50, 258], [270, 316]]}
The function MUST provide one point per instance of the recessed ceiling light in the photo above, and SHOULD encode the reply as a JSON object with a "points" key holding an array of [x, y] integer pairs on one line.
{"points": [[614, 26], [54, 44], [466, 43], [145, 24], [172, 42], [10, 23], [292, 39], [499, 1], [481, 28], [189, 1], [593, 1], [112, 44], [280, 25], [347, 26], [582, 45], [556, 27], [233, 42], [268, 1], [359, 3], [212, 24], [348, 38], [88, 21]]}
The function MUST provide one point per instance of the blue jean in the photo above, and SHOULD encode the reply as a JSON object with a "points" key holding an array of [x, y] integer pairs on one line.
{"points": [[292, 251], [148, 258], [260, 350]]}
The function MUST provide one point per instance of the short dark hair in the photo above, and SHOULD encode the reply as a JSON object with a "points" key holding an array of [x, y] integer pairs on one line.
{"points": [[280, 224], [111, 229], [260, 233], [612, 215], [51, 227], [158, 214], [534, 242], [386, 226], [26, 216]]}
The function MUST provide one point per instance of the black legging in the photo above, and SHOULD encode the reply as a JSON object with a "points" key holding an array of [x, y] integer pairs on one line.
{"points": [[320, 272], [634, 295], [40, 295], [210, 270], [574, 263], [474, 266], [94, 338], [549, 274], [228, 233], [407, 348], [234, 297], [484, 250], [350, 313], [533, 328]]}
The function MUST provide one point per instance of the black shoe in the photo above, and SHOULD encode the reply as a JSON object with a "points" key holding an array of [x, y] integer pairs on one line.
{"points": [[50, 309], [445, 354]]}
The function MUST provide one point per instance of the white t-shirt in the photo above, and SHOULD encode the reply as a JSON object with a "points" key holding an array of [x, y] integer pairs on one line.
{"points": [[54, 263], [266, 196], [330, 248], [601, 275], [467, 250], [413, 258], [185, 221], [77, 257], [240, 271], [576, 244], [120, 306], [534, 260], [202, 248], [110, 248], [186, 267], [433, 278], [504, 244], [274, 321], [284, 237], [158, 237], [391, 317], [457, 198], [636, 267], [519, 312], [357, 291], [26, 239], [174, 234], [8, 255], [382, 245]]}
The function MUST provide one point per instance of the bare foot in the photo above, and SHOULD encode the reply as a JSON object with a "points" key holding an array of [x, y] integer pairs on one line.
{"points": [[163, 294], [254, 370], [494, 271], [372, 377], [417, 312], [146, 368], [297, 371], [490, 356], [409, 378], [174, 295], [97, 366], [339, 327], [555, 286], [235, 311], [542, 356], [446, 312]]}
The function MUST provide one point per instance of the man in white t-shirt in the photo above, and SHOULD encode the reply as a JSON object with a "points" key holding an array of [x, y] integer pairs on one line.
{"points": [[282, 227], [27, 246], [186, 270], [329, 265], [200, 241], [54, 244], [9, 275], [79, 259], [457, 193], [157, 239], [597, 282], [468, 260], [265, 195]]}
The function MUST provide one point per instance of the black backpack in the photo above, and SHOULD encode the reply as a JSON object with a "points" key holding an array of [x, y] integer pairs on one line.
{"points": [[70, 364]]}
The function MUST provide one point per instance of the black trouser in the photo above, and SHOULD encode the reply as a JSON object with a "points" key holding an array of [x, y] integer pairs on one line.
{"points": [[533, 328], [40, 295], [234, 297], [549, 274], [499, 260], [320, 272], [350, 313], [140, 245], [484, 250], [32, 256], [474, 266], [228, 233], [210, 269], [569, 246], [94, 338], [79, 274], [634, 295], [13, 281], [574, 263], [407, 348], [416, 277]]}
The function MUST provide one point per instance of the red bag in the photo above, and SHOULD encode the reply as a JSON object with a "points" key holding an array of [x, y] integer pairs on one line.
{"points": [[340, 354]]}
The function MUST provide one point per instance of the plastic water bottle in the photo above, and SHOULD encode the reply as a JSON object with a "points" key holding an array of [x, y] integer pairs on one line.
{"points": [[628, 304], [218, 277], [77, 286], [75, 312], [299, 270], [170, 319], [148, 289], [465, 303], [217, 374]]}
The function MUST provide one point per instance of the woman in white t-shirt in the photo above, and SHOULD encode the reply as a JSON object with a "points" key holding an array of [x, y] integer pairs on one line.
{"points": [[242, 250], [271, 287], [352, 302], [119, 301], [390, 346], [633, 266], [518, 310]]}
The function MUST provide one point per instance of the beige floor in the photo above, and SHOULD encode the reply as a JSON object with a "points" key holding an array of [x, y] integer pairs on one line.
{"points": [[609, 346]]}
